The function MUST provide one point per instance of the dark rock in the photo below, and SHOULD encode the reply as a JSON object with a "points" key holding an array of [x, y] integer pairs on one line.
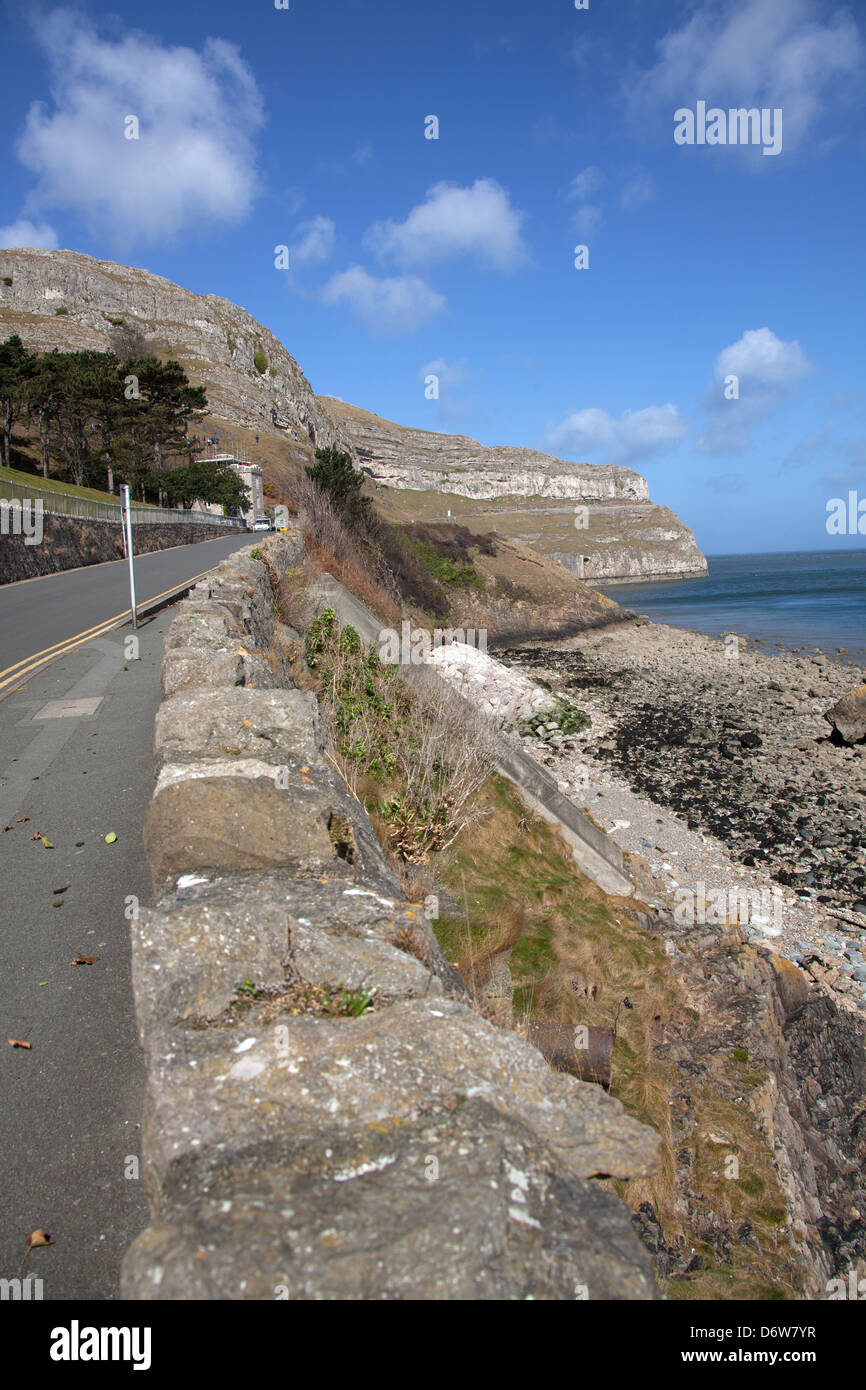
{"points": [[848, 716]]}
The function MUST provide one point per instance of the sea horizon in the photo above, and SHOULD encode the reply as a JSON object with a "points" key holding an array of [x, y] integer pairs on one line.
{"points": [[787, 599]]}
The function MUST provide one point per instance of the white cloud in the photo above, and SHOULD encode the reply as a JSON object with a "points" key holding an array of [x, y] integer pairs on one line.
{"points": [[767, 369], [194, 163], [761, 358], [395, 304], [639, 190], [809, 448], [450, 374], [587, 218], [582, 188], [24, 233], [726, 482], [452, 221], [585, 184], [316, 244], [752, 53], [636, 434]]}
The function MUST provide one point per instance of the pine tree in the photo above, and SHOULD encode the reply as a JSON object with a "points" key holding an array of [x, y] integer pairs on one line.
{"points": [[15, 365]]}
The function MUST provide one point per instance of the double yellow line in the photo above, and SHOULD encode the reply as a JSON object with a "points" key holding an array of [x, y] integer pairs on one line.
{"points": [[22, 670]]}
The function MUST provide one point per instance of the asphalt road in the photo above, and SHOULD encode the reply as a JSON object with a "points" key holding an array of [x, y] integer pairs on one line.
{"points": [[71, 1104], [38, 615]]}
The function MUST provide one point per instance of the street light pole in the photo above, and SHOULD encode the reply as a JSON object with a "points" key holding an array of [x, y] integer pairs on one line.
{"points": [[126, 522]]}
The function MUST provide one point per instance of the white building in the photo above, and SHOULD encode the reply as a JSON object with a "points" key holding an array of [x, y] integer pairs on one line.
{"points": [[250, 475]]}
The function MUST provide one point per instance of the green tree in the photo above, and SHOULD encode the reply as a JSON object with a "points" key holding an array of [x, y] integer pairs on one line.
{"points": [[15, 366], [44, 392], [334, 474], [167, 402], [79, 412], [205, 481]]}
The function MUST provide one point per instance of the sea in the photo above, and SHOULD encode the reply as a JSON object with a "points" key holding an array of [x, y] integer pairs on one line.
{"points": [[785, 601]]}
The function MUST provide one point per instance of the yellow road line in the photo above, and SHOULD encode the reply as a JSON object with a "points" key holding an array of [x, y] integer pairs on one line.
{"points": [[30, 664]]}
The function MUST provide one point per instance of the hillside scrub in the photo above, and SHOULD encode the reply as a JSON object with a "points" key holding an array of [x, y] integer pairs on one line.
{"points": [[343, 530], [536, 941], [405, 752]]}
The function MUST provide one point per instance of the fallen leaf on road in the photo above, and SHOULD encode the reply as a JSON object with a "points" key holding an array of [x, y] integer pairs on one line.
{"points": [[39, 1237], [84, 960], [46, 843], [61, 890], [18, 1042], [20, 820], [110, 838], [37, 836]]}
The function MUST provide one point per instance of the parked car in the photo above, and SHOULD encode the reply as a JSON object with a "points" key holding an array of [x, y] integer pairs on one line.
{"points": [[263, 523]]}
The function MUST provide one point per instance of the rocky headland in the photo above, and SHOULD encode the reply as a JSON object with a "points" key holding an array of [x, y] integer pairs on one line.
{"points": [[260, 401], [595, 519]]}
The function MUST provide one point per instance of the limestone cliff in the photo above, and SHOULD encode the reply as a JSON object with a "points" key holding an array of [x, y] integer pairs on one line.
{"points": [[66, 300], [601, 512], [254, 386]]}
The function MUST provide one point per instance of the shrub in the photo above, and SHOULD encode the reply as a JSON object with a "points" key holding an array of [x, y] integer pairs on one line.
{"points": [[62, 310], [370, 556], [7, 279], [411, 742], [115, 322], [334, 474], [451, 574], [336, 547], [261, 362]]}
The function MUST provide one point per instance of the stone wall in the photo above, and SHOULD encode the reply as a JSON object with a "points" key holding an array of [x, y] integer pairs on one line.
{"points": [[69, 542], [412, 1150]]}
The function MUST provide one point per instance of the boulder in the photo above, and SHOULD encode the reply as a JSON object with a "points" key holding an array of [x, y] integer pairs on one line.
{"points": [[848, 715]]}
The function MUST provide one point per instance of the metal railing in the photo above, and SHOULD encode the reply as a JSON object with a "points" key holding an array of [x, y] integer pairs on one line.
{"points": [[70, 504]]}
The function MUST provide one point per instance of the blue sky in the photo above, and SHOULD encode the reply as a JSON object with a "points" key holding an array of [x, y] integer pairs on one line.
{"points": [[454, 256]]}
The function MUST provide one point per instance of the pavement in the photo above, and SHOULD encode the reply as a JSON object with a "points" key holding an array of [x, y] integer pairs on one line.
{"points": [[40, 618], [72, 774]]}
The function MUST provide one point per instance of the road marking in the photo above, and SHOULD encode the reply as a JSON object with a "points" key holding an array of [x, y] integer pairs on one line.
{"points": [[30, 664]]}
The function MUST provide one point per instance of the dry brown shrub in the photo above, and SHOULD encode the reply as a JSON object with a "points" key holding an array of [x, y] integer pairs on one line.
{"points": [[336, 548]]}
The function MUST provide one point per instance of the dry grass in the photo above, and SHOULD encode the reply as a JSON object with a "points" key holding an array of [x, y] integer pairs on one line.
{"points": [[338, 550], [574, 954], [407, 753]]}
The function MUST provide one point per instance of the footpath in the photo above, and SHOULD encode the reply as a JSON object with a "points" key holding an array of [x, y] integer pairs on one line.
{"points": [[76, 765]]}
